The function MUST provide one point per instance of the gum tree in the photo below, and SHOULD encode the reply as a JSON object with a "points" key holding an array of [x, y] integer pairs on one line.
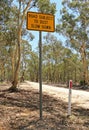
{"points": [[23, 6], [74, 26]]}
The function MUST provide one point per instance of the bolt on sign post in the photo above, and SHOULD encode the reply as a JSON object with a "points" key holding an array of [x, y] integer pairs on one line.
{"points": [[69, 97], [40, 22]]}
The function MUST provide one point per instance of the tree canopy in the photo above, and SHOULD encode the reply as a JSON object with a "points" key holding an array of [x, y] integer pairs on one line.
{"points": [[60, 62], [74, 26]]}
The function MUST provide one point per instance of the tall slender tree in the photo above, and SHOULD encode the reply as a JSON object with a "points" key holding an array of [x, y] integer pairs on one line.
{"points": [[74, 25], [21, 17]]}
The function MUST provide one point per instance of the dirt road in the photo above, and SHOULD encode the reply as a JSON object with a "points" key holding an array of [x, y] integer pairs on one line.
{"points": [[79, 97], [20, 110]]}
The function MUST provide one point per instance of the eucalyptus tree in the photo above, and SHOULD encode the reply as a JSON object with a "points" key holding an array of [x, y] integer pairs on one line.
{"points": [[5, 9], [32, 69], [45, 6], [4, 12], [3, 62], [12, 17], [23, 6], [26, 51], [71, 66], [14, 30], [52, 57], [74, 25], [59, 62]]}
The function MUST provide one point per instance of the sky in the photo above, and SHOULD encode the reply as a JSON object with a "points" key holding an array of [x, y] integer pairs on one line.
{"points": [[34, 43]]}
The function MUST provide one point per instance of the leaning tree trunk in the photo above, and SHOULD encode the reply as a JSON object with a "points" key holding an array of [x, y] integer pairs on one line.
{"points": [[20, 24], [16, 73]]}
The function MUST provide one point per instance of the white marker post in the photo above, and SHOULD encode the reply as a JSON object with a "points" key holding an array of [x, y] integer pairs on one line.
{"points": [[69, 98]]}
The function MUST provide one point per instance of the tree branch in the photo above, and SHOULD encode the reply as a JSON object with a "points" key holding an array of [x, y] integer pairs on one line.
{"points": [[23, 16]]}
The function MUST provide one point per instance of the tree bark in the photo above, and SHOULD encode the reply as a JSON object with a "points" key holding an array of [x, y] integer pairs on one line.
{"points": [[20, 24], [84, 61]]}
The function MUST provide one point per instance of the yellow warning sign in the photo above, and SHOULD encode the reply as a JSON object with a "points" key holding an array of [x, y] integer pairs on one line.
{"points": [[40, 22]]}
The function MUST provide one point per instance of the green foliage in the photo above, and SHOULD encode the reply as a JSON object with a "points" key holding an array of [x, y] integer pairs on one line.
{"points": [[59, 63], [45, 6], [82, 83], [4, 10], [73, 25]]}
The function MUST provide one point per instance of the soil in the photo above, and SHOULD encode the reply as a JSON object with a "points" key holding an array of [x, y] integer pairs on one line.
{"points": [[20, 110]]}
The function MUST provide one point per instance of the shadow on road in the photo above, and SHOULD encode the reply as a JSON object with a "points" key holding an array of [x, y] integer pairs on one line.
{"points": [[20, 111]]}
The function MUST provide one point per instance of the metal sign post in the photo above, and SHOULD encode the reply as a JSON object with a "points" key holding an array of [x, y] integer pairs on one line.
{"points": [[40, 72], [69, 98], [40, 22]]}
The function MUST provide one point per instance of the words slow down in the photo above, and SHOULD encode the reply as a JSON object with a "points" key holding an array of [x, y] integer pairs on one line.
{"points": [[41, 22]]}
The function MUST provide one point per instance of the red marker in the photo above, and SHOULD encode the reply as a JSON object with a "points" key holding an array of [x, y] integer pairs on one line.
{"points": [[70, 83]]}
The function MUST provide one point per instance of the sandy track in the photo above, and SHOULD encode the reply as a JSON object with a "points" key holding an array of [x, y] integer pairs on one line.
{"points": [[79, 97]]}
